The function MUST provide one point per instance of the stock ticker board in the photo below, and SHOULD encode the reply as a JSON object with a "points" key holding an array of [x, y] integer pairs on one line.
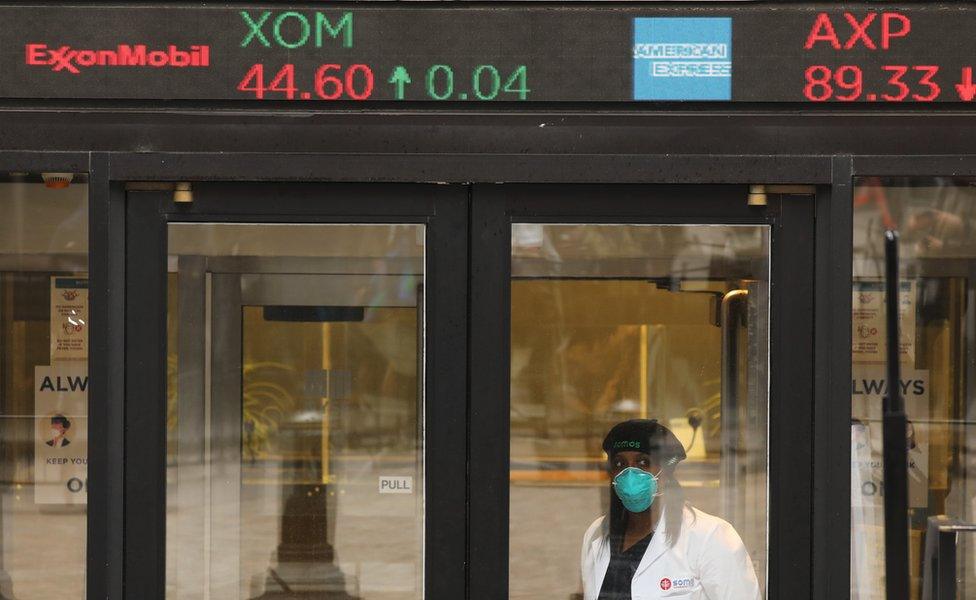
{"points": [[317, 54]]}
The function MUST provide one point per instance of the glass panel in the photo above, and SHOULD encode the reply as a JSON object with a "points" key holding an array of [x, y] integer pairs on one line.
{"points": [[612, 323], [936, 219], [43, 388], [295, 411]]}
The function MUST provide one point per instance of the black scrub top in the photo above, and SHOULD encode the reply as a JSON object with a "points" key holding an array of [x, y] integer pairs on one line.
{"points": [[620, 571]]}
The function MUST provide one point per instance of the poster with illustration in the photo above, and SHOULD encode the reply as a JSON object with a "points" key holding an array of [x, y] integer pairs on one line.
{"points": [[69, 318], [61, 433], [868, 323]]}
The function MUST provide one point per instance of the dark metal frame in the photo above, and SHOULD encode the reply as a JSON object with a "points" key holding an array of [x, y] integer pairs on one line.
{"points": [[792, 366], [828, 561], [442, 208], [832, 383], [939, 562], [914, 165], [106, 368]]}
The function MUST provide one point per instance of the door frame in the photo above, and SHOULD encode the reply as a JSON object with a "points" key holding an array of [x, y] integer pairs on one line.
{"points": [[443, 209], [792, 562], [110, 172]]}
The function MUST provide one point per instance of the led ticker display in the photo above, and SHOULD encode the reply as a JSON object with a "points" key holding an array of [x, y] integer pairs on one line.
{"points": [[327, 53], [878, 33]]}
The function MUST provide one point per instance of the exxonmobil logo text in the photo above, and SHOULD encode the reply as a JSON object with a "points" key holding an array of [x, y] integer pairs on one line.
{"points": [[72, 60]]}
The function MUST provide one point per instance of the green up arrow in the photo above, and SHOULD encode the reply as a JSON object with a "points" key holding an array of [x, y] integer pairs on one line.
{"points": [[400, 78]]}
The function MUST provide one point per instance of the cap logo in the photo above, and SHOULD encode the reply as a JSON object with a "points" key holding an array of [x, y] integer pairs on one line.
{"points": [[626, 444]]}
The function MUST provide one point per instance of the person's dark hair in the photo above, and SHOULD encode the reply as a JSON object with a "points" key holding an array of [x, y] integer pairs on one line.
{"points": [[649, 436], [61, 420]]}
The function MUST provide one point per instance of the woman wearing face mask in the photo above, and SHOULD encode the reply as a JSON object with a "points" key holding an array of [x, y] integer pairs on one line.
{"points": [[59, 432], [653, 544]]}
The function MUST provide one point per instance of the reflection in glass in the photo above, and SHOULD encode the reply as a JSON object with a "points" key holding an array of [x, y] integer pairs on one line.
{"points": [[936, 219], [295, 411], [616, 322], [43, 389]]}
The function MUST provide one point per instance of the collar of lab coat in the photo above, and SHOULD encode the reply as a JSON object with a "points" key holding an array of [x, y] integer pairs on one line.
{"points": [[600, 547], [656, 548]]}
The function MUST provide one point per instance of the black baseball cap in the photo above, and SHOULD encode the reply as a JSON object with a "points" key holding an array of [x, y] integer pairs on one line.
{"points": [[645, 435]]}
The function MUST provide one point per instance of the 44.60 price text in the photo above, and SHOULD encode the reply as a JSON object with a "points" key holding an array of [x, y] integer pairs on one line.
{"points": [[330, 82]]}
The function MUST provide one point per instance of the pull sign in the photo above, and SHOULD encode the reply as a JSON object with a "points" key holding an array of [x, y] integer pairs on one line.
{"points": [[392, 484]]}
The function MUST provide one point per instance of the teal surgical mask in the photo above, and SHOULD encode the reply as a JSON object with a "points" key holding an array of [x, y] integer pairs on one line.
{"points": [[636, 488]]}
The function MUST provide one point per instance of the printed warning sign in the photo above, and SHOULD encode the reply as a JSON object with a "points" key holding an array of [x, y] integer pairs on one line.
{"points": [[868, 345], [69, 318]]}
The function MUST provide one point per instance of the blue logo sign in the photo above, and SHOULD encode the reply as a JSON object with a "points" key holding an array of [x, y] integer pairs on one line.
{"points": [[683, 58]]}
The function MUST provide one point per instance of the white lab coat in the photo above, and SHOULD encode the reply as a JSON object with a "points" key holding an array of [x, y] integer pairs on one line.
{"points": [[707, 562]]}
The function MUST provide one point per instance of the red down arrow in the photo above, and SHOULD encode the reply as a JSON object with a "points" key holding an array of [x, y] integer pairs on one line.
{"points": [[966, 89]]}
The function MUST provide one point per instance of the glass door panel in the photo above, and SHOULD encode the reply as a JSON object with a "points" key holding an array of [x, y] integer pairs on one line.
{"points": [[935, 218], [612, 323], [295, 411], [44, 352]]}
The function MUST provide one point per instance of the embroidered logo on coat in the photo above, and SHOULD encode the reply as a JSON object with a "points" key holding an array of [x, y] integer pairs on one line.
{"points": [[679, 584]]}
